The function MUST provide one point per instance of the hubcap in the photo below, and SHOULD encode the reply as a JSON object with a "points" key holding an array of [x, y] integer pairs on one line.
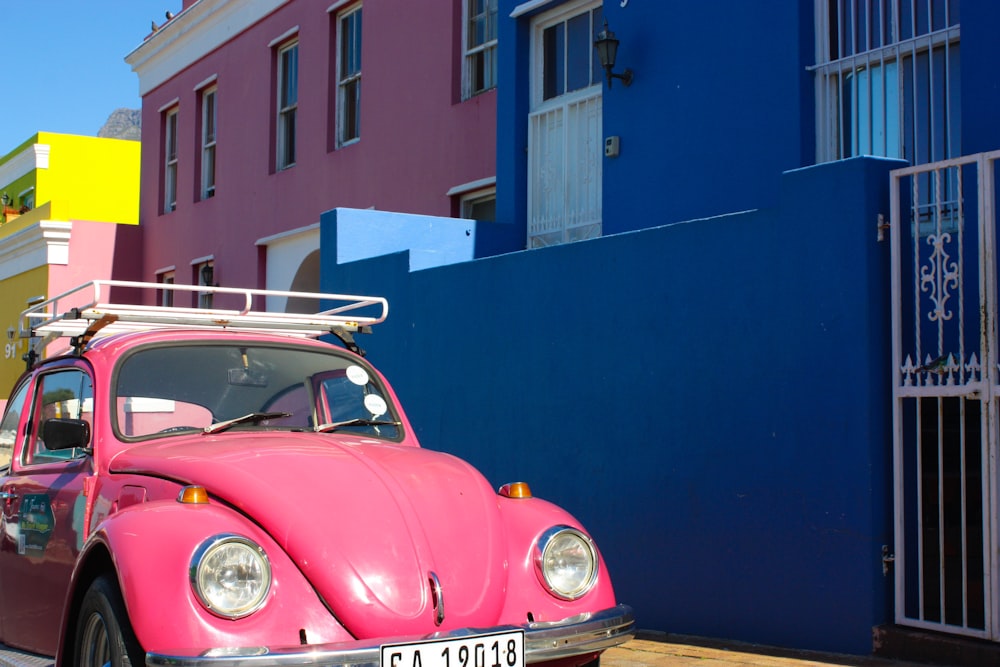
{"points": [[95, 647]]}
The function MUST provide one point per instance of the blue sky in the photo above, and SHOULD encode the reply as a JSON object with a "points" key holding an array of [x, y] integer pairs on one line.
{"points": [[64, 63]]}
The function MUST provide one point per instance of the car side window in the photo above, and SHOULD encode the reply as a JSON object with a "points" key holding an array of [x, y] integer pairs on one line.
{"points": [[8, 427], [64, 394]]}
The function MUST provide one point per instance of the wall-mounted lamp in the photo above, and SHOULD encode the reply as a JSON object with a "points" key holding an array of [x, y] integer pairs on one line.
{"points": [[6, 200], [607, 51], [208, 275]]}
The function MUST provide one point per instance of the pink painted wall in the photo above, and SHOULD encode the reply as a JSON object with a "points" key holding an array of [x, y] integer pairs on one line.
{"points": [[98, 251], [418, 139]]}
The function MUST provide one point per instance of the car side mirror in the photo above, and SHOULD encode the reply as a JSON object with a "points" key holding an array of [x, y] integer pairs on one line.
{"points": [[65, 433]]}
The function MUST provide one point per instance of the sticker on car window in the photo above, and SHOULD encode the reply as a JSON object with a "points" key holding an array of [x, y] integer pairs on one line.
{"points": [[357, 375], [376, 405]]}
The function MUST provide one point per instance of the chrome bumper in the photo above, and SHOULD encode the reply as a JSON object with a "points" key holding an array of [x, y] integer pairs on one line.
{"points": [[576, 635]]}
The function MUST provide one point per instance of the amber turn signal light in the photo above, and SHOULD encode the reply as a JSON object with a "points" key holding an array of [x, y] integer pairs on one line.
{"points": [[515, 490], [193, 495]]}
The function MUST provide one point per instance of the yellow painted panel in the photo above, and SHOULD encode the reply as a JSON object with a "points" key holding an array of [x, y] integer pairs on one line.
{"points": [[25, 220], [92, 178], [14, 294]]}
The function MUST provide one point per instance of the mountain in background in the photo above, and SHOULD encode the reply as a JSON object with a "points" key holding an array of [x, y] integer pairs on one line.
{"points": [[123, 124]]}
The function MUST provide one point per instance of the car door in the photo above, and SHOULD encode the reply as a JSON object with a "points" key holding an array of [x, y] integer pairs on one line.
{"points": [[12, 429], [43, 510]]}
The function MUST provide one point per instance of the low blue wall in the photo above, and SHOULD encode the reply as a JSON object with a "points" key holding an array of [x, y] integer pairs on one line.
{"points": [[710, 398]]}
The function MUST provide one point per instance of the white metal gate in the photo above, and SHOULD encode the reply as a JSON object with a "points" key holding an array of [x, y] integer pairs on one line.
{"points": [[945, 391]]}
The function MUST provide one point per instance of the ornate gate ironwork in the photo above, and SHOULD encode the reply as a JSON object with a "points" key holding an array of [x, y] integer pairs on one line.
{"points": [[945, 396]]}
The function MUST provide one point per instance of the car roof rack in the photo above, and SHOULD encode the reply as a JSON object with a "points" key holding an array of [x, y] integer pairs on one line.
{"points": [[86, 310]]}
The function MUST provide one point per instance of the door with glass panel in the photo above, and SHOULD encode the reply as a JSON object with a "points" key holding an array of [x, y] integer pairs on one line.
{"points": [[564, 126]]}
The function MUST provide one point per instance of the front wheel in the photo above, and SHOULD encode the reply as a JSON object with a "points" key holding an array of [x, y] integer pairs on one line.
{"points": [[103, 633]]}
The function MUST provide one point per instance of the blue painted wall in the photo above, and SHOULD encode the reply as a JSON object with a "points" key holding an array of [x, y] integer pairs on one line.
{"points": [[721, 104], [980, 93], [710, 398]]}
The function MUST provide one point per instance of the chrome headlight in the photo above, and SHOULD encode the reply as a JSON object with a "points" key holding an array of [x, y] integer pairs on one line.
{"points": [[231, 576], [566, 562]]}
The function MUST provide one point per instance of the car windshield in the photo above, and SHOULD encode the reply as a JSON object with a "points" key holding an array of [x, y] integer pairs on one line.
{"points": [[216, 388]]}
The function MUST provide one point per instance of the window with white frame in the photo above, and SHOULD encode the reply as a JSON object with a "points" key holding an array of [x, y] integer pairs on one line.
{"points": [[569, 59], [166, 296], [208, 117], [480, 205], [480, 46], [349, 76], [886, 79], [27, 199], [288, 103], [170, 160], [205, 275]]}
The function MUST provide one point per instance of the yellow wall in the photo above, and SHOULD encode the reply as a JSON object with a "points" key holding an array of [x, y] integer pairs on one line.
{"points": [[14, 293], [91, 178]]}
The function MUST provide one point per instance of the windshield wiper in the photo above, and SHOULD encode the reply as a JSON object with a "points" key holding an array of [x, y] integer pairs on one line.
{"points": [[333, 426], [253, 417]]}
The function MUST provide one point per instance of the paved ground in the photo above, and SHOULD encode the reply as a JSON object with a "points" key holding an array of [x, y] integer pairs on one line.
{"points": [[673, 650]]}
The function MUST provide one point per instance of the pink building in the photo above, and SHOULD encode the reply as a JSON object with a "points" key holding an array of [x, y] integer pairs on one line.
{"points": [[259, 116]]}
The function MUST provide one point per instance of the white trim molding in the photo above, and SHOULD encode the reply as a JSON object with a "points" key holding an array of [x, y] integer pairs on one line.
{"points": [[285, 236], [529, 6], [207, 82], [41, 244], [202, 260], [35, 156], [191, 35], [337, 5], [169, 105], [472, 186], [283, 37]]}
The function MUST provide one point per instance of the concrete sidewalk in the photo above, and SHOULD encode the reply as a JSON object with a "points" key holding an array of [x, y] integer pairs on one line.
{"points": [[655, 650]]}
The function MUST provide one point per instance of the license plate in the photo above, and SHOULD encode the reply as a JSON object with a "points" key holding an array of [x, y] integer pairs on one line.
{"points": [[500, 649]]}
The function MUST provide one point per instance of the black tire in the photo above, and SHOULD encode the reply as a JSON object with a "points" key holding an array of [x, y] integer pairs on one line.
{"points": [[103, 633]]}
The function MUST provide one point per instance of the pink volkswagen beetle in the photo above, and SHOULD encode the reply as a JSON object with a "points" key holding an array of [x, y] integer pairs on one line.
{"points": [[218, 487]]}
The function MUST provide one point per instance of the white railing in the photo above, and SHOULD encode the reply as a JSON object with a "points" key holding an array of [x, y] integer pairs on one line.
{"points": [[73, 312], [564, 192]]}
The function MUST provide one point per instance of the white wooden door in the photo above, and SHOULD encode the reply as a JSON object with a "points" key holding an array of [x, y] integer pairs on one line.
{"points": [[564, 131]]}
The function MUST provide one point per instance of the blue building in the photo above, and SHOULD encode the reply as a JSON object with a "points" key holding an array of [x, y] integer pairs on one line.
{"points": [[737, 310]]}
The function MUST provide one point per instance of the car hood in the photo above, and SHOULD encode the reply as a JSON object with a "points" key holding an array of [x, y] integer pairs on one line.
{"points": [[371, 525]]}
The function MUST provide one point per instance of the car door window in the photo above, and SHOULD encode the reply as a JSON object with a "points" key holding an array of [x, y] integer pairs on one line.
{"points": [[60, 395], [8, 427]]}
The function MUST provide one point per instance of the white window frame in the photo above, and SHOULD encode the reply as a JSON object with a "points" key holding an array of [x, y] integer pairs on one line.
{"points": [[348, 82], [565, 157], [170, 117], [26, 198], [205, 299], [486, 49], [285, 121], [166, 277], [209, 132], [470, 200], [561, 15]]}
